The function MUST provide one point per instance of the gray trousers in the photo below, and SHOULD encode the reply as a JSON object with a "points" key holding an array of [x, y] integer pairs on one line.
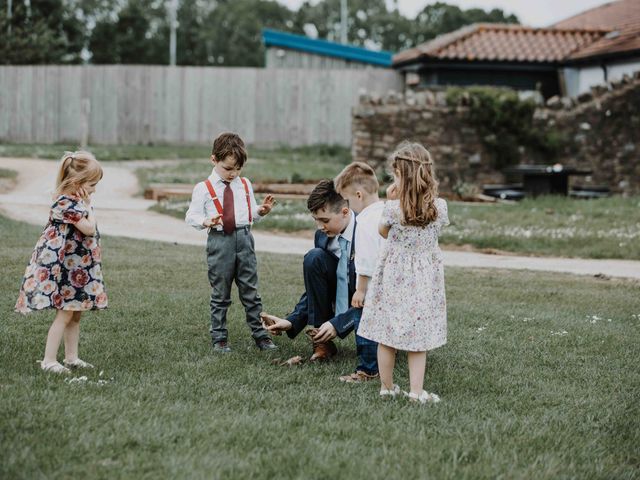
{"points": [[232, 257]]}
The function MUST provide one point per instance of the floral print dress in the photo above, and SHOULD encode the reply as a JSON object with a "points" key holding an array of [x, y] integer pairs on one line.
{"points": [[405, 306], [65, 270]]}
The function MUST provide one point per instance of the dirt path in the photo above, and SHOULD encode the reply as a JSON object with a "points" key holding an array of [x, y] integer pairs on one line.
{"points": [[120, 213]]}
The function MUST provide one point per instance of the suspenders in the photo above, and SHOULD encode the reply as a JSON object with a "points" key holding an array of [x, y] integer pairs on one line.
{"points": [[217, 203]]}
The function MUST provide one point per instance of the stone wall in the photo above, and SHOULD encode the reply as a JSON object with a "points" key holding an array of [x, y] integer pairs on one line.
{"points": [[601, 131]]}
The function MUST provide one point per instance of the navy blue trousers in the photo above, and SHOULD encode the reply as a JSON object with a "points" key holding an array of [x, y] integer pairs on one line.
{"points": [[316, 306]]}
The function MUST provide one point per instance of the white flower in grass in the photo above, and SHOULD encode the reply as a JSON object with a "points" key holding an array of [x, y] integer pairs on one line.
{"points": [[81, 379], [40, 301], [47, 256], [480, 329], [560, 333]]}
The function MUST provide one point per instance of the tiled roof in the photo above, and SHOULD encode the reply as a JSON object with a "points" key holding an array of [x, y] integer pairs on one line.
{"points": [[609, 16], [503, 43], [622, 18]]}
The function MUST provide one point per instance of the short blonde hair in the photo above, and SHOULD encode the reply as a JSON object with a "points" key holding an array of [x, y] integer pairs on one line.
{"points": [[77, 168], [357, 174]]}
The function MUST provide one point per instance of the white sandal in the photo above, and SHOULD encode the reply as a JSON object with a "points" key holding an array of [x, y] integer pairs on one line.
{"points": [[77, 363], [424, 397], [384, 393], [54, 367]]}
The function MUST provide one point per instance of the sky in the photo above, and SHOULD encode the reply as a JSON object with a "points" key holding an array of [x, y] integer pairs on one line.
{"points": [[535, 13]]}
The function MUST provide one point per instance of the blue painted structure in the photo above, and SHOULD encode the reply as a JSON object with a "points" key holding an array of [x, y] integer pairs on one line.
{"points": [[276, 38]]}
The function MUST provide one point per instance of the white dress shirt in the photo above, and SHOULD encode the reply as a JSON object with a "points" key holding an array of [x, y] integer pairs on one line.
{"points": [[369, 242], [202, 207], [334, 245]]}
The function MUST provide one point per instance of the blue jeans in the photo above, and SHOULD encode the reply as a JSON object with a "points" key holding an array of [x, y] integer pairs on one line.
{"points": [[366, 350]]}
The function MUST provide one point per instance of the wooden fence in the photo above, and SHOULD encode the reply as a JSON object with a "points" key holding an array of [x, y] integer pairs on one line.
{"points": [[124, 104]]}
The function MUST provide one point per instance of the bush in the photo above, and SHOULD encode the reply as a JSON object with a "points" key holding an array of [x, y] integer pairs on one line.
{"points": [[505, 124]]}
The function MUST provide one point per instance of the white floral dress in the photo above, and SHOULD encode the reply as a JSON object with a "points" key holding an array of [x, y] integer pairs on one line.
{"points": [[65, 269], [405, 306]]}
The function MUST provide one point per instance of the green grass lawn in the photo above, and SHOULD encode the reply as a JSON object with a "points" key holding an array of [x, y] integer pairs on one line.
{"points": [[556, 226], [262, 166], [551, 226], [604, 228], [539, 380], [289, 216], [276, 164]]}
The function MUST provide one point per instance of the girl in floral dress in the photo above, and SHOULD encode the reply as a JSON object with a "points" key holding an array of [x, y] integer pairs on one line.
{"points": [[64, 272], [405, 308]]}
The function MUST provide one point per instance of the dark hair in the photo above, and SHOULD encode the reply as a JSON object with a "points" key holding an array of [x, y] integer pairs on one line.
{"points": [[325, 195], [227, 144]]}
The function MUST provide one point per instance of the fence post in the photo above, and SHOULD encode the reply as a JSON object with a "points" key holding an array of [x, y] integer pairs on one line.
{"points": [[84, 123]]}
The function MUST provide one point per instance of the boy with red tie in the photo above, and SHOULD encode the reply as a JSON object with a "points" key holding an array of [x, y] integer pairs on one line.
{"points": [[226, 206]]}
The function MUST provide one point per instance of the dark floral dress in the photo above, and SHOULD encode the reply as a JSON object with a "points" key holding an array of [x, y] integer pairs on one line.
{"points": [[65, 270]]}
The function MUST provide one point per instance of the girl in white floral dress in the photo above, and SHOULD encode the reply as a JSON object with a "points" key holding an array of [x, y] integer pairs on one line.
{"points": [[65, 271], [405, 307]]}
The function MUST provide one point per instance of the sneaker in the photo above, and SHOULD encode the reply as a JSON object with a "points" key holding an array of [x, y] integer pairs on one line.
{"points": [[384, 393], [54, 367], [358, 377], [424, 397], [77, 363], [266, 344], [221, 347]]}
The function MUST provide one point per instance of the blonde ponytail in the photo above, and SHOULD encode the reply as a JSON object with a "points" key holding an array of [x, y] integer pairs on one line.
{"points": [[77, 168]]}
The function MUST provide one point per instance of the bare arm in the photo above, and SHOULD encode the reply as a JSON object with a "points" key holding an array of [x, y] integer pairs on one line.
{"points": [[383, 230], [87, 225], [357, 301]]}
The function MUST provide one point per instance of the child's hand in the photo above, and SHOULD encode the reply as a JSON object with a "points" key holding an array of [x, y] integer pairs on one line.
{"points": [[275, 325], [82, 194], [213, 221], [267, 205], [325, 332], [357, 301], [392, 192]]}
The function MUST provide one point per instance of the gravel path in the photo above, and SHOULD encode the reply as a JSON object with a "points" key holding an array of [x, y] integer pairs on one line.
{"points": [[121, 213]]}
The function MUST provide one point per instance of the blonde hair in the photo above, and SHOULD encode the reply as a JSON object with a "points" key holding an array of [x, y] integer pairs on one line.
{"points": [[358, 174], [77, 168], [418, 187]]}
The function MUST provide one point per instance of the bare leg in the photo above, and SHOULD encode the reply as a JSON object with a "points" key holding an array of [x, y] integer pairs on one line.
{"points": [[386, 362], [417, 365], [56, 331], [72, 337]]}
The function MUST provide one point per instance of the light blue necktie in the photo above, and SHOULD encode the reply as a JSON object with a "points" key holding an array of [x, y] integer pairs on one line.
{"points": [[342, 282]]}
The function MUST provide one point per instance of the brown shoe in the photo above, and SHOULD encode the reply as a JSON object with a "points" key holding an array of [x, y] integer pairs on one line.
{"points": [[358, 377], [323, 351]]}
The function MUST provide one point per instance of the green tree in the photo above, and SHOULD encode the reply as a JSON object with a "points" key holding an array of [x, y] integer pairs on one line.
{"points": [[45, 31], [438, 18], [232, 32], [138, 34], [370, 24]]}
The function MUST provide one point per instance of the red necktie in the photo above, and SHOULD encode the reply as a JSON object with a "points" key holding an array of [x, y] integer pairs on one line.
{"points": [[228, 211]]}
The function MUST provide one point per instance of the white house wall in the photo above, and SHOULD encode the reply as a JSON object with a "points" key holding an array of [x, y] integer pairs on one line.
{"points": [[580, 80]]}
